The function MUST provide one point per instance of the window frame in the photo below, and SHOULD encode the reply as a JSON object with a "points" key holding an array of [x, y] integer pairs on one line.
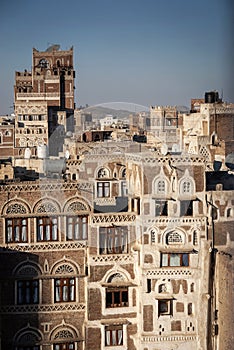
{"points": [[119, 297], [186, 207], [169, 256], [32, 286], [47, 222], [168, 304], [11, 230], [77, 229], [109, 236], [114, 340], [103, 189], [186, 187], [60, 346], [161, 186], [63, 291], [161, 207]]}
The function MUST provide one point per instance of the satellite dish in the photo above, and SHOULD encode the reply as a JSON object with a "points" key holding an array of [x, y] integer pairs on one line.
{"points": [[229, 161], [67, 154], [164, 149], [53, 48]]}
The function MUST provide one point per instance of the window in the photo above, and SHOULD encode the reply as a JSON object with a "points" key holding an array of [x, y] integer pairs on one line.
{"points": [[174, 259], [174, 237], [64, 290], [113, 240], [77, 227], [64, 346], [114, 335], [27, 341], [161, 208], [190, 308], [164, 307], [161, 186], [27, 292], [116, 297], [16, 230], [124, 189], [47, 229], [186, 208], [103, 189], [103, 173], [186, 187], [229, 212], [136, 205]]}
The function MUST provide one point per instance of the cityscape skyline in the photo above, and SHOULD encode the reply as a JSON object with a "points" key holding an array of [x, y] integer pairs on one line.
{"points": [[156, 53]]}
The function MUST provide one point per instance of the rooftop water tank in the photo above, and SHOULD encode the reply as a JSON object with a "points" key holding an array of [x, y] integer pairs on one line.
{"points": [[211, 97]]}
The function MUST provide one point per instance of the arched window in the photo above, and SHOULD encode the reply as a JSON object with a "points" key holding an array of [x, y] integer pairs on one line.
{"points": [[195, 237], [174, 237], [16, 223], [43, 63], [161, 186], [123, 174], [65, 337], [28, 340], [116, 296], [27, 284], [230, 212], [186, 187], [103, 173], [65, 284]]}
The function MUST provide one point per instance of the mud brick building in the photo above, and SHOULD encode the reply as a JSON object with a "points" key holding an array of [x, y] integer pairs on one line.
{"points": [[130, 247], [44, 100], [119, 257]]}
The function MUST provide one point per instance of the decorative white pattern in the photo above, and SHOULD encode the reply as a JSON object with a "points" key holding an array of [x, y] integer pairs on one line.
{"points": [[16, 209], [64, 269]]}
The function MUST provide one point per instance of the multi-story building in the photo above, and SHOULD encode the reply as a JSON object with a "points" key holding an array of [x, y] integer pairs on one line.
{"points": [[6, 137], [44, 100], [118, 257], [210, 131], [163, 124], [129, 248]]}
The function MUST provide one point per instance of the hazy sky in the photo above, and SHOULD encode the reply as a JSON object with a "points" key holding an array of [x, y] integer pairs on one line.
{"points": [[148, 52]]}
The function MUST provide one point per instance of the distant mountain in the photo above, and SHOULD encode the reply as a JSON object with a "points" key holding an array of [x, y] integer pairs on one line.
{"points": [[99, 112], [183, 109]]}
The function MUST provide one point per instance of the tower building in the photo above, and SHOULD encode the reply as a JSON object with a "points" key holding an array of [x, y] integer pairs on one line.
{"points": [[44, 100]]}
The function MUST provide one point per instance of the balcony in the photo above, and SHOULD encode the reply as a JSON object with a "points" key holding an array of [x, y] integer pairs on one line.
{"points": [[113, 218]]}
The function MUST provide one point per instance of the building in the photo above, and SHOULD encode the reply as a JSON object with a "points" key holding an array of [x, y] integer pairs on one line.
{"points": [[6, 137], [210, 132], [44, 100], [163, 124], [119, 255], [118, 244]]}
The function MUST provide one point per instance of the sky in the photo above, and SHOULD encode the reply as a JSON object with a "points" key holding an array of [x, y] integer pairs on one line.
{"points": [[144, 52]]}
